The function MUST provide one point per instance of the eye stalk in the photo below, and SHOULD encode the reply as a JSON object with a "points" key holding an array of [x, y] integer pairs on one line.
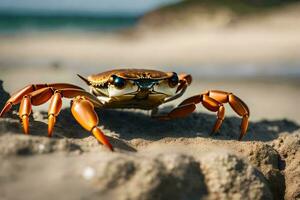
{"points": [[118, 82], [173, 81]]}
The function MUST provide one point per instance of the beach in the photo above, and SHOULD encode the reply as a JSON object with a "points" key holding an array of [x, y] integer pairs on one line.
{"points": [[257, 60]]}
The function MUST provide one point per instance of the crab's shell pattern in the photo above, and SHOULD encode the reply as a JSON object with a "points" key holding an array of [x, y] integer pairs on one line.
{"points": [[132, 74]]}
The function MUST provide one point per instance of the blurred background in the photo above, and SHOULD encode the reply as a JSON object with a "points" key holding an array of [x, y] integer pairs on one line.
{"points": [[250, 47]]}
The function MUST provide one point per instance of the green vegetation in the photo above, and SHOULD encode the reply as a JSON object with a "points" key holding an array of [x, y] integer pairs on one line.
{"points": [[236, 6]]}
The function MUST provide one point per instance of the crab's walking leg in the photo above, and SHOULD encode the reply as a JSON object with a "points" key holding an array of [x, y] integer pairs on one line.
{"points": [[53, 111], [82, 107], [214, 106], [223, 97], [83, 112], [188, 106], [24, 112], [35, 98], [236, 104], [178, 112], [17, 97], [212, 100], [56, 102]]}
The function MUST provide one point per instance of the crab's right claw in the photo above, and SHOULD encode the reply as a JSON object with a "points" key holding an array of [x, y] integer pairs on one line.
{"points": [[83, 112]]}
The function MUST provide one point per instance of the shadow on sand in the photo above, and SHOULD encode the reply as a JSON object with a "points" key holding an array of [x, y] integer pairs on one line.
{"points": [[129, 125]]}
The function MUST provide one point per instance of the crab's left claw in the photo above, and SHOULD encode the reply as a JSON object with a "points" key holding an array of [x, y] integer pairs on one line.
{"points": [[83, 112]]}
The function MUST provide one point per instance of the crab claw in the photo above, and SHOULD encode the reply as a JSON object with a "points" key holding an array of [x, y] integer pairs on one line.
{"points": [[101, 137], [83, 112]]}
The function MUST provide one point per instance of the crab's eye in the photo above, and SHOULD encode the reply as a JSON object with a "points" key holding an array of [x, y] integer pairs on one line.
{"points": [[173, 81], [118, 82]]}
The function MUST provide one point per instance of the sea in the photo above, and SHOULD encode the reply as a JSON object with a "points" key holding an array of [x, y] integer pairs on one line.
{"points": [[20, 23]]}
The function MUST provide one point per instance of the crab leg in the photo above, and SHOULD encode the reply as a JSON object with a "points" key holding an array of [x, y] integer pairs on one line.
{"points": [[53, 111], [189, 105], [56, 102], [214, 106], [40, 94], [178, 112], [83, 112], [35, 98], [213, 100], [17, 97], [224, 97], [236, 104], [82, 109], [24, 112], [184, 81], [71, 93]]}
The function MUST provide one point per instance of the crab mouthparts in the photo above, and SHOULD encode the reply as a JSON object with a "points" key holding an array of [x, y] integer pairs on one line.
{"points": [[145, 84], [145, 88]]}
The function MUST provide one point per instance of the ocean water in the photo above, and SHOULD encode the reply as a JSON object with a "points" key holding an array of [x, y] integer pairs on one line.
{"points": [[73, 16], [28, 23]]}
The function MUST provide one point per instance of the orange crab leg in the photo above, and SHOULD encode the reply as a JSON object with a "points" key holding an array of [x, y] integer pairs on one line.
{"points": [[184, 81], [223, 97], [43, 95], [84, 113], [70, 93], [236, 104], [53, 111], [35, 98], [213, 100], [24, 112], [17, 97], [82, 107], [178, 112], [214, 106]]}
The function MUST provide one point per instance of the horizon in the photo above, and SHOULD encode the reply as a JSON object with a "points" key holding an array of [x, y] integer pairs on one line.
{"points": [[78, 7]]}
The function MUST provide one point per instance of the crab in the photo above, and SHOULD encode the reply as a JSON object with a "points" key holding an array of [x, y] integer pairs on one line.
{"points": [[123, 88]]}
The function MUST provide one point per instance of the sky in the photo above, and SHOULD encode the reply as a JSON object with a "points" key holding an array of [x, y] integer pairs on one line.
{"points": [[131, 7]]}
